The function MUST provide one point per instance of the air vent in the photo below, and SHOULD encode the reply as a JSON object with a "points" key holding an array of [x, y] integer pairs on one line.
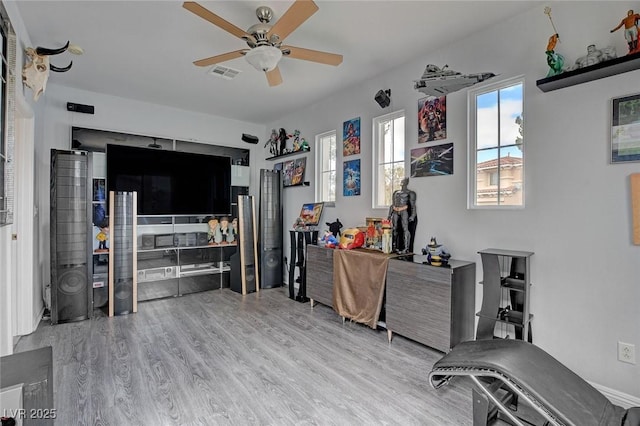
{"points": [[224, 72]]}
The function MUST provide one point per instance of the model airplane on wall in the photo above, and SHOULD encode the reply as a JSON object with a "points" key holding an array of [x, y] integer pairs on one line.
{"points": [[438, 81]]}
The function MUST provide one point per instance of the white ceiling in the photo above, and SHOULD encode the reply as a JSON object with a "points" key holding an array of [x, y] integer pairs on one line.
{"points": [[144, 49]]}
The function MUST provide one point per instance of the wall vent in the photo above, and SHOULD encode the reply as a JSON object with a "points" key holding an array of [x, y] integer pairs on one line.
{"points": [[224, 72]]}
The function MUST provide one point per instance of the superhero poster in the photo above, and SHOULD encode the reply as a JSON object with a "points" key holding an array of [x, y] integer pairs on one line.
{"points": [[351, 178], [432, 119], [434, 160], [351, 137]]}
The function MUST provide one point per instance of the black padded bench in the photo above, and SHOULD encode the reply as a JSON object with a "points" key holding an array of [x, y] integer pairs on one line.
{"points": [[507, 372]]}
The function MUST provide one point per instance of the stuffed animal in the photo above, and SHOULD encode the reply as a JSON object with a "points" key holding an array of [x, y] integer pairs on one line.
{"points": [[330, 241]]}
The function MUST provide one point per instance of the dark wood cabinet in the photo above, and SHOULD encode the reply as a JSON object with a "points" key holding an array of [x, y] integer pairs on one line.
{"points": [[432, 305], [320, 275]]}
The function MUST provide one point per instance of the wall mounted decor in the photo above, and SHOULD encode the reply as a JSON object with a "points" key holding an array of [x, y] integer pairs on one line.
{"points": [[432, 160], [625, 129], [293, 172], [351, 137], [351, 178], [432, 119]]}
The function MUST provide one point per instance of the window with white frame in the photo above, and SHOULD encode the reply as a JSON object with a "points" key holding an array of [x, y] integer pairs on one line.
{"points": [[326, 167], [388, 157], [7, 96], [496, 145]]}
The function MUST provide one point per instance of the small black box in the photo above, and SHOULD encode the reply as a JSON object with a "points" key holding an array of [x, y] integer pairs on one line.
{"points": [[85, 109]]}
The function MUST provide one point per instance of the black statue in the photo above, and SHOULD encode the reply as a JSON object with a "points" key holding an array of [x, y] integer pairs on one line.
{"points": [[402, 214]]}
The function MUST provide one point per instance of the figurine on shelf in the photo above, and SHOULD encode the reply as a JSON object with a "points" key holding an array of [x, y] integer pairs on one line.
{"points": [[304, 145], [226, 232], [436, 254], [554, 59], [387, 236], [335, 227], [102, 238], [351, 238], [214, 230], [595, 56], [234, 225], [296, 140], [330, 241], [630, 23], [282, 139], [273, 142], [299, 225]]}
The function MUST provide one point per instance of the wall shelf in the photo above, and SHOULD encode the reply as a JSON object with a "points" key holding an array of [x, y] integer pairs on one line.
{"points": [[594, 72], [306, 183], [288, 154]]}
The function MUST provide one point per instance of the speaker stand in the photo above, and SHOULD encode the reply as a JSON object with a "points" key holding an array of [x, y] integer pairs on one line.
{"points": [[299, 242]]}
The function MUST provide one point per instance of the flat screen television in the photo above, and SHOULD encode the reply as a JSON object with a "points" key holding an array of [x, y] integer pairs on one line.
{"points": [[171, 182]]}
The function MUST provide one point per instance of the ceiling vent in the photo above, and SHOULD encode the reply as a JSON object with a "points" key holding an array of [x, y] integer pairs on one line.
{"points": [[224, 72]]}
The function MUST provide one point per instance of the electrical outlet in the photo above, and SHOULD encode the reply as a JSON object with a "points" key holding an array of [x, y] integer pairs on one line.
{"points": [[626, 352]]}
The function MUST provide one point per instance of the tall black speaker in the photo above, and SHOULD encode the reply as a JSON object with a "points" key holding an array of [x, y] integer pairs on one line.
{"points": [[71, 292], [270, 240], [123, 297], [244, 266]]}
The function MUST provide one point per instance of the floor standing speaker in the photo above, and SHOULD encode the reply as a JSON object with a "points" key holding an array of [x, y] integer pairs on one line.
{"points": [[123, 294], [71, 293], [244, 267], [270, 240]]}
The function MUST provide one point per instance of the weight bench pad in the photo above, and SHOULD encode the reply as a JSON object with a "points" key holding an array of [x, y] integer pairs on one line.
{"points": [[564, 394]]}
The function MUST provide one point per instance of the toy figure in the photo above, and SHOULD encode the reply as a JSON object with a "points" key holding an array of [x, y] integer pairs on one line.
{"points": [[630, 23], [299, 224], [296, 140], [335, 227], [226, 232], [351, 238], [102, 238], [436, 254], [234, 225], [282, 138], [330, 241], [272, 142], [387, 236], [554, 59], [214, 230], [304, 145], [593, 56], [401, 213]]}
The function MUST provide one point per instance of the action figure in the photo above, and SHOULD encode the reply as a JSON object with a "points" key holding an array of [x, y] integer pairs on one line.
{"points": [[401, 213], [272, 142], [102, 238], [282, 138], [226, 231], [630, 23], [330, 241], [214, 230]]}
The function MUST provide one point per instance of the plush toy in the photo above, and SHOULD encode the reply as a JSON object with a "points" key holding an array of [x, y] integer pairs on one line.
{"points": [[330, 241]]}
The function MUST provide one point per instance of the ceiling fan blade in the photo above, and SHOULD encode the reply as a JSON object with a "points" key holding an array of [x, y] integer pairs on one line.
{"points": [[273, 77], [215, 19], [299, 12], [220, 58], [312, 55]]}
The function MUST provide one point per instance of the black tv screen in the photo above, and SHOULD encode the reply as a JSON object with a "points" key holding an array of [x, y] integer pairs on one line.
{"points": [[171, 182]]}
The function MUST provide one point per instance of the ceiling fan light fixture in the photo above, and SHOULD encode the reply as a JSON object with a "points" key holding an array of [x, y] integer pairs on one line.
{"points": [[264, 58]]}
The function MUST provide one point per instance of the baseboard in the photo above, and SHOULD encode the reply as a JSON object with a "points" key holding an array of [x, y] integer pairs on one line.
{"points": [[616, 397]]}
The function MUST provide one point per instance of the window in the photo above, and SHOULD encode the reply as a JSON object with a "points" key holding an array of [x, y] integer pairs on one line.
{"points": [[326, 167], [7, 93], [496, 145], [388, 157]]}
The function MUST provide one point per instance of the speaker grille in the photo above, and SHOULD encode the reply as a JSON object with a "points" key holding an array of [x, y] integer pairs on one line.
{"points": [[70, 290], [122, 246], [270, 228]]}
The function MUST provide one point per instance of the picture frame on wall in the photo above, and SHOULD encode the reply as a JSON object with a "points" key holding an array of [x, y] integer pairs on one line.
{"points": [[432, 119], [293, 172], [625, 129], [351, 137], [351, 178], [436, 160]]}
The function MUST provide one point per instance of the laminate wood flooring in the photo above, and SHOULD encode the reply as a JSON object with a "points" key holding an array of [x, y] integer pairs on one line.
{"points": [[220, 358]]}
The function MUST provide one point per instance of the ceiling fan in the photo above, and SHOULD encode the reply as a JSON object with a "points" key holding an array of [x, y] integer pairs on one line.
{"points": [[265, 40]]}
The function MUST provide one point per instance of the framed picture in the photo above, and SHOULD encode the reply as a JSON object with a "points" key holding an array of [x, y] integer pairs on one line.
{"points": [[351, 178], [293, 172], [434, 160], [432, 119], [625, 129], [311, 213], [351, 137], [277, 166], [99, 193]]}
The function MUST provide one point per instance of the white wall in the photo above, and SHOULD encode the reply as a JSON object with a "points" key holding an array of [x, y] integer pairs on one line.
{"points": [[577, 219]]}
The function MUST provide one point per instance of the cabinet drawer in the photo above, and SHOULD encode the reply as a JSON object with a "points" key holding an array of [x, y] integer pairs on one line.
{"points": [[319, 274], [420, 271]]}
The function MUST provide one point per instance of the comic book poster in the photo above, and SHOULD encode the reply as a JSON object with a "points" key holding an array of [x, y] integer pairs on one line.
{"points": [[432, 119], [293, 172], [351, 178], [351, 137]]}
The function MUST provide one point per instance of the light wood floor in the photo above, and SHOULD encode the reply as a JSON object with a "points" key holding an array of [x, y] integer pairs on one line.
{"points": [[221, 358]]}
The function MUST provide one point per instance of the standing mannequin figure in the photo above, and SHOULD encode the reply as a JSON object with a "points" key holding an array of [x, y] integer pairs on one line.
{"points": [[402, 212]]}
